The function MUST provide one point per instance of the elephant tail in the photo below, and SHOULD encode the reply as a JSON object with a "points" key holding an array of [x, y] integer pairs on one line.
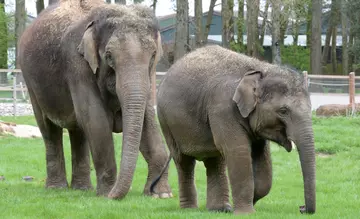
{"points": [[156, 180]]}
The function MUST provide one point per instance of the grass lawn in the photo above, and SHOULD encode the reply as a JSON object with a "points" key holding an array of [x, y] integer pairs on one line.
{"points": [[338, 182]]}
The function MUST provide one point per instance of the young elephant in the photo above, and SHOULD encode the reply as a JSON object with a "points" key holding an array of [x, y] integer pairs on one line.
{"points": [[87, 66], [222, 108]]}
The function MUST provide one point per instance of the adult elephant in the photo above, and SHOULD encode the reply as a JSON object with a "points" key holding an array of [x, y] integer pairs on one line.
{"points": [[87, 66], [222, 108]]}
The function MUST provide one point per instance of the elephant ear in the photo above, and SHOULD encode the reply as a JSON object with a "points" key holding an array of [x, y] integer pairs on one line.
{"points": [[245, 95], [87, 48]]}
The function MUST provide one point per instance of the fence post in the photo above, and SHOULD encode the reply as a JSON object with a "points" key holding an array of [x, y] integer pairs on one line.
{"points": [[306, 79], [14, 93]]}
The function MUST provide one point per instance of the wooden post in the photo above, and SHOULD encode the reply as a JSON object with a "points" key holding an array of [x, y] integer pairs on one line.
{"points": [[306, 79], [14, 93], [352, 87]]}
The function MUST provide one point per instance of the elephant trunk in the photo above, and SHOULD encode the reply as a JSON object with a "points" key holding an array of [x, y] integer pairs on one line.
{"points": [[132, 89], [304, 139]]}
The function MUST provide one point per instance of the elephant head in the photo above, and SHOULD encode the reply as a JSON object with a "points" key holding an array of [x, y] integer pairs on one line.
{"points": [[122, 45], [278, 108]]}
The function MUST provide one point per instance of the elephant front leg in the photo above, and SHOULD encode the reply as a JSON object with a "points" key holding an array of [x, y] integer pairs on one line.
{"points": [[80, 161], [262, 168], [153, 150], [232, 141], [217, 185]]}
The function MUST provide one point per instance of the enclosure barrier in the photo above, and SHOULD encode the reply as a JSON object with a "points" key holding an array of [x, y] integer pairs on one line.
{"points": [[312, 80]]}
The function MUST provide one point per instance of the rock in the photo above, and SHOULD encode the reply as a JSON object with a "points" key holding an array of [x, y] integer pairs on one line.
{"points": [[336, 110], [2, 178], [28, 178], [22, 131]]}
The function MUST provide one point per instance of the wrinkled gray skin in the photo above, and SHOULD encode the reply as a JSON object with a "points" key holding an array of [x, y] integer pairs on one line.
{"points": [[87, 66], [222, 108]]}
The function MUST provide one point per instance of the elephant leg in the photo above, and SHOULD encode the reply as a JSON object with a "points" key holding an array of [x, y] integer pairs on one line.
{"points": [[217, 185], [94, 122], [262, 169], [185, 166], [80, 160], [154, 152], [52, 136], [232, 141]]}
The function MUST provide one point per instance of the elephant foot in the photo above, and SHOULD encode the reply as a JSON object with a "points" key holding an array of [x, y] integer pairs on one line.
{"points": [[103, 190], [226, 208], [244, 211], [161, 190], [56, 184], [81, 185]]}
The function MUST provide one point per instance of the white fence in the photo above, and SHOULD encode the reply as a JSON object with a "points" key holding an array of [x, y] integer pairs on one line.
{"points": [[324, 89]]}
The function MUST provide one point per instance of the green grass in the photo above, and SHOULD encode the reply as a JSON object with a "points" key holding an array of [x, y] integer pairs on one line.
{"points": [[337, 182]]}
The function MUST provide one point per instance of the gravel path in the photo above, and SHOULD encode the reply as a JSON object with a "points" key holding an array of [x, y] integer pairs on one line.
{"points": [[317, 99]]}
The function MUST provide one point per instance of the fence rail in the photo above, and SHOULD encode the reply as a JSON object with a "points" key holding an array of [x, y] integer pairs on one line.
{"points": [[347, 85]]}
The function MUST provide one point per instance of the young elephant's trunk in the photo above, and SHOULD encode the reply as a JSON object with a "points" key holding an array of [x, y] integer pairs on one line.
{"points": [[304, 139], [131, 88]]}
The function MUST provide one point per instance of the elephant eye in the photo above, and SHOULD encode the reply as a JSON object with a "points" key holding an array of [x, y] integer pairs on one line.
{"points": [[109, 59], [283, 111]]}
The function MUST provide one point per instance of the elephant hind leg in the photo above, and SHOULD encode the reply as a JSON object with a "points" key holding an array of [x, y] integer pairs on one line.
{"points": [[217, 185], [52, 136], [80, 160], [262, 168], [185, 166]]}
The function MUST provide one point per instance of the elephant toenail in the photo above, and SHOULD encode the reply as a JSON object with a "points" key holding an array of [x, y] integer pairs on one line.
{"points": [[155, 196]]}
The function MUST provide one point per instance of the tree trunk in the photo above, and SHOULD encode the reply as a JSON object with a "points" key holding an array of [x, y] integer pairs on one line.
{"points": [[275, 29], [3, 42], [154, 5], [315, 52], [122, 2], [182, 29], [309, 26], [351, 55], [240, 24], [198, 23], [108, 1], [225, 23], [333, 50], [345, 56], [263, 25], [231, 31], [39, 6], [296, 31], [284, 21], [252, 28], [325, 53], [53, 1], [20, 23], [208, 21]]}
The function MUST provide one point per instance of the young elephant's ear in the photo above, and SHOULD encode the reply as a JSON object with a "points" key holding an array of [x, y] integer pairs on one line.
{"points": [[245, 94], [87, 48]]}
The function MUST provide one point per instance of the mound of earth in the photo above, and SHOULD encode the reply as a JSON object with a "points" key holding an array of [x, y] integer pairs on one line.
{"points": [[336, 110], [22, 131]]}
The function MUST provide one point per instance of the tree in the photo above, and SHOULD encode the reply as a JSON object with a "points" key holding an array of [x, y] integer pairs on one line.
{"points": [[263, 25], [240, 25], [122, 2], [52, 1], [345, 56], [315, 52], [108, 1], [226, 14], [20, 23], [309, 25], [275, 31], [182, 29], [352, 9], [284, 15], [252, 28], [154, 5], [39, 6], [198, 23], [3, 41], [208, 20]]}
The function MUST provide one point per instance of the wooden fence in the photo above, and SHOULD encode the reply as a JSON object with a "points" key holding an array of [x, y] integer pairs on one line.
{"points": [[19, 88]]}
